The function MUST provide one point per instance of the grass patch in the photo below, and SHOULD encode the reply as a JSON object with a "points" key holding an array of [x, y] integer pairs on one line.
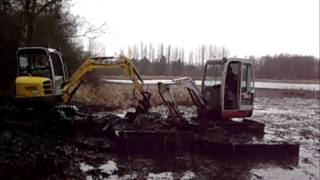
{"points": [[120, 96]]}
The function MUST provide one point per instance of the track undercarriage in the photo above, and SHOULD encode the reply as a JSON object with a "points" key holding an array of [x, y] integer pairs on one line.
{"points": [[238, 139]]}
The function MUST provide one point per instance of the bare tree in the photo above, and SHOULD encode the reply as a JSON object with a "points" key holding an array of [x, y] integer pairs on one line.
{"points": [[97, 48], [31, 9], [129, 52], [160, 51], [141, 51], [225, 52], [203, 54], [191, 58], [168, 53], [135, 52], [151, 52], [182, 54]]}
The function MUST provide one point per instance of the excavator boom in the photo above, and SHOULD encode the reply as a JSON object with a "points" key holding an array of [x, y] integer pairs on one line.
{"points": [[94, 63]]}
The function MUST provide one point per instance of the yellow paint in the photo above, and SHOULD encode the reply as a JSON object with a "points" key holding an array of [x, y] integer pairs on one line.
{"points": [[29, 86]]}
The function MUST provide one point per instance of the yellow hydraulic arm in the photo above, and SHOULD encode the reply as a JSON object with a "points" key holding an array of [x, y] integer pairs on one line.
{"points": [[122, 62]]}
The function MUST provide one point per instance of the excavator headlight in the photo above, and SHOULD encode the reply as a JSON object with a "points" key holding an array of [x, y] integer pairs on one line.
{"points": [[47, 88]]}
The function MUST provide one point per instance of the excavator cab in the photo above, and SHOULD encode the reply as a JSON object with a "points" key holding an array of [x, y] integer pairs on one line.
{"points": [[41, 74], [228, 88]]}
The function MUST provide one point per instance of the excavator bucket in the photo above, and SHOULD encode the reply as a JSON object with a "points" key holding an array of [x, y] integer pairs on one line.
{"points": [[184, 82]]}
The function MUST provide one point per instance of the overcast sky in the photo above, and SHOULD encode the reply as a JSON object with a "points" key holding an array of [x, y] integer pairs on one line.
{"points": [[246, 27]]}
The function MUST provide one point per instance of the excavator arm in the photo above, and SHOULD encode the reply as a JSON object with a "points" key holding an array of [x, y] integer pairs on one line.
{"points": [[123, 63], [184, 82]]}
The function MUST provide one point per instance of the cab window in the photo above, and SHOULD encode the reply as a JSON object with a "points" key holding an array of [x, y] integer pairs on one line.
{"points": [[34, 63], [213, 74], [57, 65], [246, 85], [247, 79]]}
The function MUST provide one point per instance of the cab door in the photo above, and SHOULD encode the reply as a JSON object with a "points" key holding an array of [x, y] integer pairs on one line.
{"points": [[211, 87], [231, 86], [231, 90], [238, 90], [59, 76], [247, 88]]}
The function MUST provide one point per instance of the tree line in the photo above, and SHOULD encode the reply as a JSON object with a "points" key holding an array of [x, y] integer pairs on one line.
{"points": [[289, 67], [153, 53], [162, 60]]}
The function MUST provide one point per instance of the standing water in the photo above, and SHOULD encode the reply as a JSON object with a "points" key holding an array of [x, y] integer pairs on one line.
{"points": [[262, 85]]}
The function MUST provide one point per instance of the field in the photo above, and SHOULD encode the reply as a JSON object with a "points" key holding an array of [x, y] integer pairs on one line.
{"points": [[119, 96]]}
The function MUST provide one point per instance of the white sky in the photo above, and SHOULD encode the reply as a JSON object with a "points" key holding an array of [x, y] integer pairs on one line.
{"points": [[246, 27]]}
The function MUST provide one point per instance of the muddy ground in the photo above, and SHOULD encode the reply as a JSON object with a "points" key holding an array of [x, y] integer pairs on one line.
{"points": [[37, 153]]}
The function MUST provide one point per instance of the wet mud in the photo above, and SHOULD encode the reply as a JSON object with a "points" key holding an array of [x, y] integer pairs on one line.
{"points": [[85, 148]]}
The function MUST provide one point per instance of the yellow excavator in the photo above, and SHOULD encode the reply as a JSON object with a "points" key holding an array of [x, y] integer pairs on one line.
{"points": [[42, 78]]}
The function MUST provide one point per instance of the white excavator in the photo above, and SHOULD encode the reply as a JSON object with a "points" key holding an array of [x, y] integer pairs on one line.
{"points": [[227, 92]]}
